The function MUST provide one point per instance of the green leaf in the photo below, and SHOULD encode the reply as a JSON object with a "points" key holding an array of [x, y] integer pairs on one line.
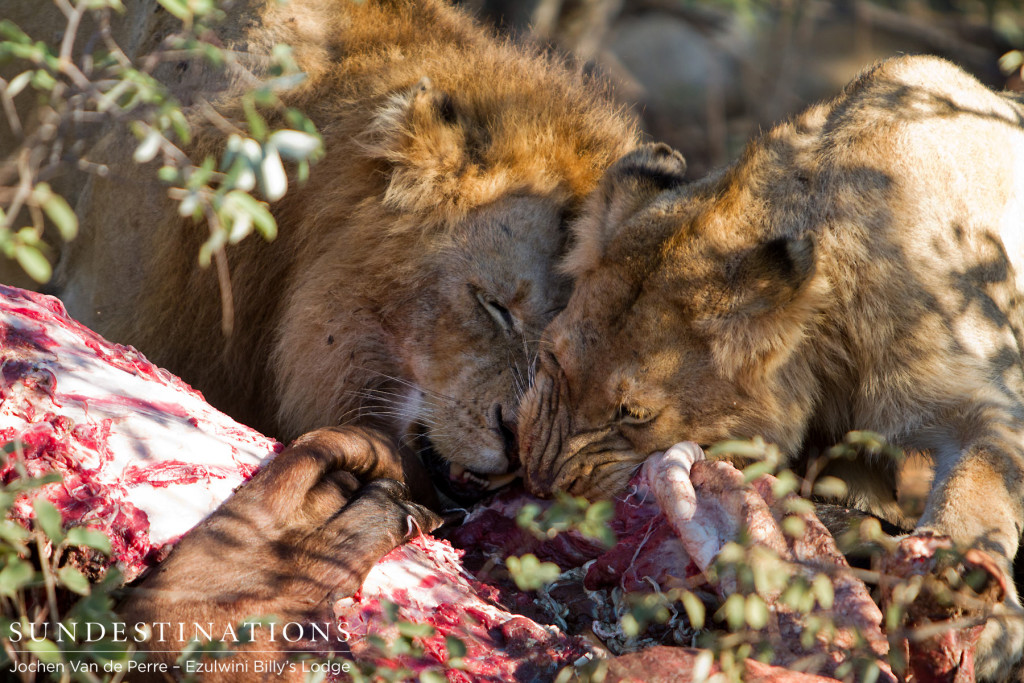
{"points": [[756, 612], [294, 145], [413, 630], [695, 610], [823, 591], [529, 573], [14, 535], [785, 483], [10, 31], [48, 519], [299, 121], [33, 262], [189, 205], [431, 676], [871, 672], [1011, 61], [735, 611], [104, 4], [178, 8], [242, 174], [799, 506], [257, 210], [213, 54], [273, 181], [390, 611], [32, 483], [15, 575], [180, 125], [167, 174], [703, 665], [257, 124], [46, 650], [27, 236], [211, 246], [456, 648], [149, 147], [90, 538], [18, 83], [794, 526], [58, 211], [754, 449], [757, 470], [830, 487], [240, 225], [73, 580], [201, 175], [42, 80]]}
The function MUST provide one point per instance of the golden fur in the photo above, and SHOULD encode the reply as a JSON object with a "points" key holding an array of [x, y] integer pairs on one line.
{"points": [[412, 274], [860, 267]]}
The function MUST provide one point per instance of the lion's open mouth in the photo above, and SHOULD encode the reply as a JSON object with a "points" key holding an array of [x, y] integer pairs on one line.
{"points": [[461, 485]]}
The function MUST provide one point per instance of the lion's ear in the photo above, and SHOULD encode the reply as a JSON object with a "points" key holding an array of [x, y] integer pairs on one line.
{"points": [[427, 146], [770, 275], [771, 294], [627, 186]]}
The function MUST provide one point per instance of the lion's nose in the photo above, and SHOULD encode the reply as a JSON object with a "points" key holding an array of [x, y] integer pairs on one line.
{"points": [[501, 422]]}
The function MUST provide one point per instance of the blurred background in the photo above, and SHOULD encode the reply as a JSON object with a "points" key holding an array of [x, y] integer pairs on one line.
{"points": [[706, 75]]}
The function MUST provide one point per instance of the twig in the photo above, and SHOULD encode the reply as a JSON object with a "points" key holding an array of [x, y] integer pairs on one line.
{"points": [[218, 120], [74, 17], [108, 40], [48, 582], [220, 258], [24, 189], [10, 110]]}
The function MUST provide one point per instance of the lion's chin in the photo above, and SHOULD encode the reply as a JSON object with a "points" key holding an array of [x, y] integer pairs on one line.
{"points": [[456, 482]]}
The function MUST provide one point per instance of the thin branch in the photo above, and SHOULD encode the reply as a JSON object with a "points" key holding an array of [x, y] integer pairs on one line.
{"points": [[21, 195], [10, 110], [220, 258], [74, 16], [48, 580]]}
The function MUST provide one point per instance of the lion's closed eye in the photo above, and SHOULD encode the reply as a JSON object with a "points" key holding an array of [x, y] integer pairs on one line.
{"points": [[501, 315]]}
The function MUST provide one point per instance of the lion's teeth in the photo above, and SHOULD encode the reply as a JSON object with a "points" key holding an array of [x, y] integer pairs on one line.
{"points": [[500, 480], [456, 471]]}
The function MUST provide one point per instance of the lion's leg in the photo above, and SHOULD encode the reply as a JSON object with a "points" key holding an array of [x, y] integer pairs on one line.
{"points": [[976, 502], [304, 531]]}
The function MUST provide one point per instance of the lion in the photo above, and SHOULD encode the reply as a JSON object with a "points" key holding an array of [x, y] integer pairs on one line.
{"points": [[412, 274], [860, 267], [402, 302]]}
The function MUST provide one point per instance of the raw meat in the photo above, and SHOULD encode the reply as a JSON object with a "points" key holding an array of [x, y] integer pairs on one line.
{"points": [[945, 656], [680, 512], [144, 458], [661, 664]]}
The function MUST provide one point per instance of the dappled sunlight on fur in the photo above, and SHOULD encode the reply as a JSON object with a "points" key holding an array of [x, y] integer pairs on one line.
{"points": [[858, 268]]}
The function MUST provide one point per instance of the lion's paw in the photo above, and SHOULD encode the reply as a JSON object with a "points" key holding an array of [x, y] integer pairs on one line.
{"points": [[952, 605]]}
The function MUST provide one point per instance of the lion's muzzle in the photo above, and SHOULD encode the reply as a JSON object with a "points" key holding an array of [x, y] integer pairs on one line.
{"points": [[544, 423]]}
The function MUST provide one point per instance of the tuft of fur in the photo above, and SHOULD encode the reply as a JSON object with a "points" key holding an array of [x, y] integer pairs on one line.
{"points": [[860, 267], [452, 160]]}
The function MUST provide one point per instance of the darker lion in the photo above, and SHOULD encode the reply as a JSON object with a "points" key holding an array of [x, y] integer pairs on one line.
{"points": [[860, 267], [412, 274], [403, 299]]}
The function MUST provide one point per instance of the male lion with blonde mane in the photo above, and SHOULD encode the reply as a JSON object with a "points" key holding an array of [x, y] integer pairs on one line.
{"points": [[402, 300], [860, 267]]}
